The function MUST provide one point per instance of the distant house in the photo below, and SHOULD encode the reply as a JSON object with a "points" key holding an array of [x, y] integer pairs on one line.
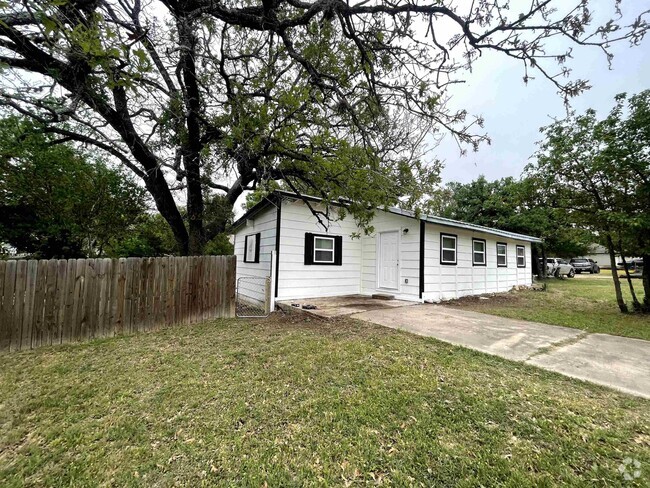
{"points": [[600, 254], [411, 258]]}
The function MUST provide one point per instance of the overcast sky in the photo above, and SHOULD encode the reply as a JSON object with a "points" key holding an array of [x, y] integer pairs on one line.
{"points": [[514, 112]]}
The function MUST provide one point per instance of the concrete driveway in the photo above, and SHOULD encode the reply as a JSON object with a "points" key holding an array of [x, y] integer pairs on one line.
{"points": [[617, 362]]}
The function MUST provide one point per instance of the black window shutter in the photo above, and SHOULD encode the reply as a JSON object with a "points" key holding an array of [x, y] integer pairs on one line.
{"points": [[309, 248], [257, 247], [246, 249], [338, 250]]}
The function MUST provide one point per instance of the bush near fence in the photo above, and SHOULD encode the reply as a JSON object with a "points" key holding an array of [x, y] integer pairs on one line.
{"points": [[45, 302]]}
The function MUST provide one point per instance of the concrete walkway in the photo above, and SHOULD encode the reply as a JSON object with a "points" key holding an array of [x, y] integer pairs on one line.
{"points": [[617, 362]]}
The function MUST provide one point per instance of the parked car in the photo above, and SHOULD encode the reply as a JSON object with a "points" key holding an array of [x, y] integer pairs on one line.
{"points": [[635, 264], [584, 265], [594, 266], [559, 267]]}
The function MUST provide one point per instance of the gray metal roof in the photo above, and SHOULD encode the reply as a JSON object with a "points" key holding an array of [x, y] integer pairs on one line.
{"points": [[464, 225]]}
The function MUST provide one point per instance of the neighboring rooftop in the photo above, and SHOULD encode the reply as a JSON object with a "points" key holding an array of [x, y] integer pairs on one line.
{"points": [[274, 197]]}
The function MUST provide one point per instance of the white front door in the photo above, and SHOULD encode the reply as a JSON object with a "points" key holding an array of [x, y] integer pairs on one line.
{"points": [[389, 260]]}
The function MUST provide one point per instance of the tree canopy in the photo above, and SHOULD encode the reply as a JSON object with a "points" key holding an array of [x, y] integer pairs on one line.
{"points": [[58, 202], [515, 205], [213, 98], [597, 172]]}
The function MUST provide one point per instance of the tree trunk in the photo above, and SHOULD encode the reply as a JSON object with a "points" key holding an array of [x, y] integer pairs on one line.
{"points": [[646, 283], [167, 207], [635, 301], [617, 283], [193, 147], [543, 262]]}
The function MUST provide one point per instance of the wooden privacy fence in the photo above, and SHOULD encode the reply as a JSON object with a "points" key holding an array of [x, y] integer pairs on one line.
{"points": [[53, 301]]}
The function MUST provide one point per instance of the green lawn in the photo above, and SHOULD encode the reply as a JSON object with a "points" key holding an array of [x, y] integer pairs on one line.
{"points": [[287, 402], [586, 302]]}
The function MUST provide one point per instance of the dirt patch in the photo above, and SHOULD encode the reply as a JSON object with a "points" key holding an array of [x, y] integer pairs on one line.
{"points": [[510, 299]]}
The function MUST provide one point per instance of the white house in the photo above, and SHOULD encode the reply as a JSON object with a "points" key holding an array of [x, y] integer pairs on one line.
{"points": [[424, 258], [600, 255]]}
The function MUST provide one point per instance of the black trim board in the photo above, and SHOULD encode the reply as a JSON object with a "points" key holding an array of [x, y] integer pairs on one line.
{"points": [[278, 226], [309, 249], [455, 236], [422, 235]]}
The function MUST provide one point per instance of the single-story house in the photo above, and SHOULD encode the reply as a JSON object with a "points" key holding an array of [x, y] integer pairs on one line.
{"points": [[423, 258], [600, 254]]}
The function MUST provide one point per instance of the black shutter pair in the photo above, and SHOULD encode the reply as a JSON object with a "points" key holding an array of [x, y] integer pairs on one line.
{"points": [[309, 249], [256, 259]]}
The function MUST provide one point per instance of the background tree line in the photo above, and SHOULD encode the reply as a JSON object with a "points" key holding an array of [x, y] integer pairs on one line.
{"points": [[589, 182], [57, 201]]}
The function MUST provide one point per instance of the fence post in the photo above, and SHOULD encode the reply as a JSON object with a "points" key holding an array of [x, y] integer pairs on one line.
{"points": [[274, 258]]}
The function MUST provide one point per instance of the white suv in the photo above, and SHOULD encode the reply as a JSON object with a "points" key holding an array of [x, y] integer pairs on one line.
{"points": [[559, 267]]}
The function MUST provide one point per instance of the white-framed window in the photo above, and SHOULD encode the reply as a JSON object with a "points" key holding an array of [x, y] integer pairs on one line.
{"points": [[478, 252], [448, 248], [521, 257], [252, 248], [323, 250], [502, 254]]}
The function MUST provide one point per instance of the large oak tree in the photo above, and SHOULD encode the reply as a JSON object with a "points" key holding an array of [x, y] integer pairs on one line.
{"points": [[199, 97]]}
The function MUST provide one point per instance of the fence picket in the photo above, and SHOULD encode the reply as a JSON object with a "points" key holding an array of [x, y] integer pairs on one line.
{"points": [[7, 309], [46, 302]]}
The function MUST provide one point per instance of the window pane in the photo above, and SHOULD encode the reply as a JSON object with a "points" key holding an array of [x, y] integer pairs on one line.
{"points": [[520, 251], [449, 256], [479, 246], [448, 243], [479, 257], [321, 243], [501, 260], [250, 249], [324, 256]]}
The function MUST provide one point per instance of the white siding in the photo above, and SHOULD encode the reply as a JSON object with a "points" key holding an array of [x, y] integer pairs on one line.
{"points": [[358, 272], [298, 280], [409, 265], [265, 224], [443, 282]]}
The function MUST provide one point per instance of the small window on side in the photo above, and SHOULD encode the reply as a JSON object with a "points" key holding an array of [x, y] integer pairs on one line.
{"points": [[478, 252], [252, 248], [521, 257], [502, 255], [323, 250], [448, 251]]}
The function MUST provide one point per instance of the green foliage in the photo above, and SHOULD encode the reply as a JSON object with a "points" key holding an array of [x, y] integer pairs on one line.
{"points": [[220, 245], [515, 206], [148, 236], [217, 215], [56, 201], [598, 176]]}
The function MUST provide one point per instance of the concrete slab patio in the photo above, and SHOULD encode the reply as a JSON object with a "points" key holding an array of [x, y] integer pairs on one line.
{"points": [[329, 307], [618, 362]]}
